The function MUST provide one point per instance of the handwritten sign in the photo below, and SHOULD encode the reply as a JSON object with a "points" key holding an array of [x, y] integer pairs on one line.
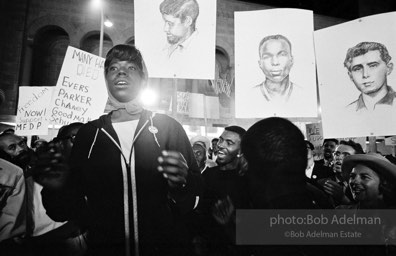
{"points": [[32, 110], [315, 136], [390, 141], [80, 94]]}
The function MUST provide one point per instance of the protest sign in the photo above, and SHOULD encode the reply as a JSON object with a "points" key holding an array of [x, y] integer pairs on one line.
{"points": [[80, 94], [315, 136], [32, 110], [390, 141]]}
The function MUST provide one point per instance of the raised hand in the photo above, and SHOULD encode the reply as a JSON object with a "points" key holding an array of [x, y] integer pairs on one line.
{"points": [[174, 168]]}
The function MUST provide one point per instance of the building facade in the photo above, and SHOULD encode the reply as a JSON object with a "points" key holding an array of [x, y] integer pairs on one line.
{"points": [[36, 34]]}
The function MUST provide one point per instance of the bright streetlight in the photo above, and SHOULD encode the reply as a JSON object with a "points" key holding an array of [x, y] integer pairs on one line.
{"points": [[108, 22], [99, 4]]}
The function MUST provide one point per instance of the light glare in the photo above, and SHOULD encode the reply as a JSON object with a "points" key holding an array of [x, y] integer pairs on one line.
{"points": [[108, 23], [148, 97], [97, 4]]}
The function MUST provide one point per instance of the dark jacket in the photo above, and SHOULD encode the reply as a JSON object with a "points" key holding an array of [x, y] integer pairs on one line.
{"points": [[96, 175], [321, 171]]}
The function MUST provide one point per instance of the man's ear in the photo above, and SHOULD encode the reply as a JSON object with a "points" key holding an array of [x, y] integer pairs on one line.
{"points": [[188, 21], [350, 75], [259, 62], [390, 68]]}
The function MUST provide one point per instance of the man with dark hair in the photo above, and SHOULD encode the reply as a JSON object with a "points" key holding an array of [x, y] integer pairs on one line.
{"points": [[368, 65], [180, 17], [345, 148], [323, 168], [276, 61], [277, 157], [329, 146], [226, 188]]}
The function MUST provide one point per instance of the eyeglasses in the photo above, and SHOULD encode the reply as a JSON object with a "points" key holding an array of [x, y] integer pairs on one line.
{"points": [[344, 154]]}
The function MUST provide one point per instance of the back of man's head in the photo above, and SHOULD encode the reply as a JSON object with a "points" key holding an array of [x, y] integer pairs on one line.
{"points": [[181, 9], [275, 144], [277, 158], [364, 47]]}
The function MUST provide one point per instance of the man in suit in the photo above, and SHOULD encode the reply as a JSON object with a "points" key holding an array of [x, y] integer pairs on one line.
{"points": [[315, 169]]}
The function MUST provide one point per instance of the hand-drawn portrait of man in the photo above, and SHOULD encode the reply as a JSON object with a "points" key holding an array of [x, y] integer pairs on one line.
{"points": [[276, 61], [179, 17], [368, 65], [275, 69], [181, 40]]}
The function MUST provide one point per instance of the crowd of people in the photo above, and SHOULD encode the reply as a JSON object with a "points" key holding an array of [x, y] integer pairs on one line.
{"points": [[133, 183]]}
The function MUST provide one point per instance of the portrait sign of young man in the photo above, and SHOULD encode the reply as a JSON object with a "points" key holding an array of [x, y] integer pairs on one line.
{"points": [[369, 65], [179, 25], [181, 42], [275, 69], [355, 78], [276, 61]]}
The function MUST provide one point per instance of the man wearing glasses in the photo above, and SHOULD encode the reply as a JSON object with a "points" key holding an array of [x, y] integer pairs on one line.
{"points": [[336, 186]]}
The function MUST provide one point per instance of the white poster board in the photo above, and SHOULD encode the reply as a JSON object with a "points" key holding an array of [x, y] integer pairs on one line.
{"points": [[80, 94], [192, 59], [390, 141], [32, 111], [251, 100], [202, 106], [315, 136], [339, 96]]}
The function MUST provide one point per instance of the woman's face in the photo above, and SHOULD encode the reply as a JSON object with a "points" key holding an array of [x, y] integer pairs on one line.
{"points": [[124, 80], [364, 184]]}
